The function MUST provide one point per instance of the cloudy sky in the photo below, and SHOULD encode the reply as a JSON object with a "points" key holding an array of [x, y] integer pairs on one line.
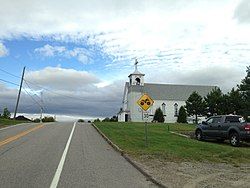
{"points": [[79, 53]]}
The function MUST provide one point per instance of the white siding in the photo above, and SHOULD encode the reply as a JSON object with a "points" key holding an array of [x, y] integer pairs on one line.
{"points": [[136, 112]]}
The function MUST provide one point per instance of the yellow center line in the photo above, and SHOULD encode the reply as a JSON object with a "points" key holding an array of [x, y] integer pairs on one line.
{"points": [[19, 135]]}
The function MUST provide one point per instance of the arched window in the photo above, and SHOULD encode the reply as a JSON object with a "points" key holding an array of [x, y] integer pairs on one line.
{"points": [[163, 108], [175, 109], [138, 81]]}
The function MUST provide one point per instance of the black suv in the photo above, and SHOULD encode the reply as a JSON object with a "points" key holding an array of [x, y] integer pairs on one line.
{"points": [[224, 127]]}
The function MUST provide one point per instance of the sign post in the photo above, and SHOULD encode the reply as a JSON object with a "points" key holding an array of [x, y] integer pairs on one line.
{"points": [[145, 102]]}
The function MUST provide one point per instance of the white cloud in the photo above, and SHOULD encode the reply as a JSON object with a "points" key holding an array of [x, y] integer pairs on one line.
{"points": [[242, 11], [3, 50], [71, 93], [201, 42], [63, 79], [50, 51], [81, 54]]}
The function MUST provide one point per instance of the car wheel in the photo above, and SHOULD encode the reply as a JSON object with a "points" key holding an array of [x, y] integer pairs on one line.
{"points": [[234, 139], [198, 135]]}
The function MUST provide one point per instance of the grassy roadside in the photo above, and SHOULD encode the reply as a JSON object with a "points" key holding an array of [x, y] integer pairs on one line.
{"points": [[8, 122], [164, 145]]}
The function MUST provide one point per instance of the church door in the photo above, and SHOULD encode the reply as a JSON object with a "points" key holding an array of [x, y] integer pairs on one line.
{"points": [[126, 117]]}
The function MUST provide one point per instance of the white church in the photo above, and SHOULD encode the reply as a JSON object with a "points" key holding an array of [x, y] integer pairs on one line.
{"points": [[166, 96]]}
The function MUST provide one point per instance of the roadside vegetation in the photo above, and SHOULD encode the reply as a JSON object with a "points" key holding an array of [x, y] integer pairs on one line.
{"points": [[5, 119], [6, 122], [237, 101], [163, 145]]}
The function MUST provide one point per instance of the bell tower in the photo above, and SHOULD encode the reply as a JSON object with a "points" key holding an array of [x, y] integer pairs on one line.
{"points": [[136, 78]]}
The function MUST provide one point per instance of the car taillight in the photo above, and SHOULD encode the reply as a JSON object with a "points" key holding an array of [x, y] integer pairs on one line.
{"points": [[247, 127]]}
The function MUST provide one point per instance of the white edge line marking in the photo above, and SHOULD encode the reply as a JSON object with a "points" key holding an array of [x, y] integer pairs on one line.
{"points": [[11, 126], [61, 163]]}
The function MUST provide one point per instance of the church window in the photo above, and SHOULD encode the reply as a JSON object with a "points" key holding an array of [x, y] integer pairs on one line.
{"points": [[163, 108], [175, 109], [138, 81]]}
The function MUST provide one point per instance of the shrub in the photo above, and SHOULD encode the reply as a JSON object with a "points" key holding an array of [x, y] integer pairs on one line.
{"points": [[159, 117], [81, 120], [48, 119], [182, 118]]}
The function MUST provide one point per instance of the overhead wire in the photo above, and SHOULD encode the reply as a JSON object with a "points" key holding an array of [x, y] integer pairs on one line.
{"points": [[9, 73], [51, 91], [32, 98], [6, 81]]}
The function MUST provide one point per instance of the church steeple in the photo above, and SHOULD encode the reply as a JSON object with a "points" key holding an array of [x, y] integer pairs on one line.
{"points": [[136, 78]]}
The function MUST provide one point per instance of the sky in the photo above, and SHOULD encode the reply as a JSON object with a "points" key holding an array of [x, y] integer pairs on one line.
{"points": [[78, 54]]}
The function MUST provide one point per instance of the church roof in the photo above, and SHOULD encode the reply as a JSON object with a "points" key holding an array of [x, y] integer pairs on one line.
{"points": [[136, 72], [171, 92]]}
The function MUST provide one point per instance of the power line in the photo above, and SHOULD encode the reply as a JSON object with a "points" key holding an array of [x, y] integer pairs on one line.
{"points": [[32, 98], [49, 90], [9, 73], [9, 82]]}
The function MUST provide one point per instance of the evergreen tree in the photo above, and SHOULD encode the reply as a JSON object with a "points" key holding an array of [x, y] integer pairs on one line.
{"points": [[195, 105], [182, 118], [6, 113], [244, 89], [97, 120], [158, 116], [114, 119], [106, 119], [234, 102], [215, 102]]}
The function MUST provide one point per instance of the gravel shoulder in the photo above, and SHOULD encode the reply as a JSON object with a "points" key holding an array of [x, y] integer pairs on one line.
{"points": [[196, 174]]}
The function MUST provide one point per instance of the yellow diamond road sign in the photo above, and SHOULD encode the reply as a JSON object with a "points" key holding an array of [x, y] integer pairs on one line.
{"points": [[145, 102]]}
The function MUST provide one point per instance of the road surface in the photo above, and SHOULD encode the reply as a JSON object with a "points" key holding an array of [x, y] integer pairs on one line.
{"points": [[62, 155]]}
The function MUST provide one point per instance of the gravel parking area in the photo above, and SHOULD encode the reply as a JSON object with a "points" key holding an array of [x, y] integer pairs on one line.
{"points": [[197, 174]]}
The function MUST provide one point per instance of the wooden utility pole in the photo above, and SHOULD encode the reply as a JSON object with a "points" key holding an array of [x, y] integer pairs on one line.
{"points": [[41, 107], [19, 93]]}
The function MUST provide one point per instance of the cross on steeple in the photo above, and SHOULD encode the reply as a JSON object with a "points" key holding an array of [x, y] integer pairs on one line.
{"points": [[136, 62]]}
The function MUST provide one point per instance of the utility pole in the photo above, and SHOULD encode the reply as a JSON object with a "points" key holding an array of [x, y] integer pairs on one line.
{"points": [[18, 97], [41, 107]]}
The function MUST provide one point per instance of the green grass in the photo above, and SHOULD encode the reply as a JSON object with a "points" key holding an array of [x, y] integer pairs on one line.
{"points": [[6, 122], [166, 146]]}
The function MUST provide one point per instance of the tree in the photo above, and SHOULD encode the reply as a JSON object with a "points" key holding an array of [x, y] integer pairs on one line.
{"points": [[97, 120], [114, 119], [6, 113], [48, 119], [195, 105], [234, 102], [81, 120], [182, 118], [106, 119], [214, 101], [244, 89], [37, 120], [158, 116]]}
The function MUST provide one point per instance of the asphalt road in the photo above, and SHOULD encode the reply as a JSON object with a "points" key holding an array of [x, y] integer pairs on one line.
{"points": [[62, 155]]}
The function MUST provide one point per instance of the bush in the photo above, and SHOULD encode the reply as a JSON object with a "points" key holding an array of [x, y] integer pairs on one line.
{"points": [[97, 120], [81, 120], [182, 118], [48, 119], [159, 117], [37, 120], [6, 113], [106, 119], [114, 119]]}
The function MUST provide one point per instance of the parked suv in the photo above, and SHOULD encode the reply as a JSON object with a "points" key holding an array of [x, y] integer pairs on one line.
{"points": [[224, 127]]}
